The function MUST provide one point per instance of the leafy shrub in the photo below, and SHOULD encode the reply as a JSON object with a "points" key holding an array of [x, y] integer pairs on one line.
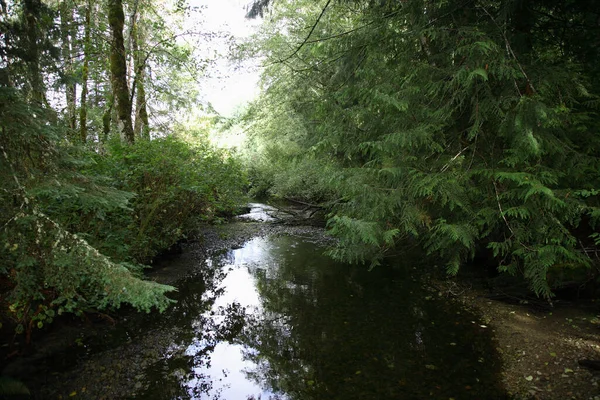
{"points": [[176, 185], [48, 207], [74, 224]]}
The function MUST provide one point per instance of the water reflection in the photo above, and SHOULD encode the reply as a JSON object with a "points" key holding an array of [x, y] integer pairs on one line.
{"points": [[284, 322]]}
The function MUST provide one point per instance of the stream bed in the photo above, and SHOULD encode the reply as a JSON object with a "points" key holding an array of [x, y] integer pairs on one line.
{"points": [[274, 318]]}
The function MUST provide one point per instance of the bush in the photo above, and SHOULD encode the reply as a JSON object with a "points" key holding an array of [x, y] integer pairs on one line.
{"points": [[177, 186], [75, 224], [49, 219]]}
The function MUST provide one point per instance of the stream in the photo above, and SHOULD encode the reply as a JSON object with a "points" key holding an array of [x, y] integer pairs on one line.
{"points": [[274, 318]]}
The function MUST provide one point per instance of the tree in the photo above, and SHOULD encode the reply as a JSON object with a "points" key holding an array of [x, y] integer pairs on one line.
{"points": [[31, 18], [67, 37], [85, 72], [141, 127], [461, 127], [118, 70], [79, 216]]}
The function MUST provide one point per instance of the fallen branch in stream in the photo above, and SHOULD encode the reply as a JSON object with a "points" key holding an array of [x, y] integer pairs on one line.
{"points": [[298, 216], [310, 205]]}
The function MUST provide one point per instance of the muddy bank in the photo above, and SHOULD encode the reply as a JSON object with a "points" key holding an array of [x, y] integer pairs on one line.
{"points": [[540, 348]]}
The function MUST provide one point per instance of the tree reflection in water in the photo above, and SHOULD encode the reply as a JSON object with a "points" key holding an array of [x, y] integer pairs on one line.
{"points": [[329, 331], [301, 326]]}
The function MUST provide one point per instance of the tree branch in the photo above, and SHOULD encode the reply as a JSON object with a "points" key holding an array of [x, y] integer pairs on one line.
{"points": [[309, 33]]}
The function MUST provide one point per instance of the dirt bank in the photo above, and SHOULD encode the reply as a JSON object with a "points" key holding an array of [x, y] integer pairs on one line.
{"points": [[540, 349]]}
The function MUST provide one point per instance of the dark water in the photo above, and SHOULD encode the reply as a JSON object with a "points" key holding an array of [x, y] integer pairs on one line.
{"points": [[288, 323], [276, 319]]}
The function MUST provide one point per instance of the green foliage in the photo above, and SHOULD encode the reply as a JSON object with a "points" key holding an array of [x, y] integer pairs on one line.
{"points": [[75, 224], [48, 268], [449, 127], [79, 212], [176, 186]]}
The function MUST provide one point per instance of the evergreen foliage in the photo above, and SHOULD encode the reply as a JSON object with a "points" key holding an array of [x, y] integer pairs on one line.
{"points": [[76, 224], [48, 267], [458, 126], [177, 187]]}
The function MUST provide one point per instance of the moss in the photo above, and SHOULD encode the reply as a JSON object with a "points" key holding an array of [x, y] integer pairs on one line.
{"points": [[118, 69]]}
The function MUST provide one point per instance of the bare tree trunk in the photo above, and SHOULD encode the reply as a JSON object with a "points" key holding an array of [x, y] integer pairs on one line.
{"points": [[129, 51], [85, 73], [118, 69]]}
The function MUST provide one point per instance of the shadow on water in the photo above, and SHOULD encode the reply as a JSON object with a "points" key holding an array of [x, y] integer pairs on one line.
{"points": [[276, 319]]}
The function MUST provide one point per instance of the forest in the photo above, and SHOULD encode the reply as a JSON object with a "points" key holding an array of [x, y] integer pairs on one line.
{"points": [[461, 130]]}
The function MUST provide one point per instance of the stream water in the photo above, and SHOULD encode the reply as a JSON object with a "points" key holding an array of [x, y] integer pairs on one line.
{"points": [[277, 319]]}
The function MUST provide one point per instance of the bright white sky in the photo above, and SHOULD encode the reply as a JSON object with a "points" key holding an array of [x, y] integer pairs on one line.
{"points": [[226, 87]]}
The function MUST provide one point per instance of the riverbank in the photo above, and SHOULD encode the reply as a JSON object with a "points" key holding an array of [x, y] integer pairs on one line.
{"points": [[540, 349]]}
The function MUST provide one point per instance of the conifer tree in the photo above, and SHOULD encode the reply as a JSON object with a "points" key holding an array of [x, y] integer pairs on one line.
{"points": [[459, 126]]}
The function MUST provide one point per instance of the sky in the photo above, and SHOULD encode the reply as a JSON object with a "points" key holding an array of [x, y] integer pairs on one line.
{"points": [[225, 86]]}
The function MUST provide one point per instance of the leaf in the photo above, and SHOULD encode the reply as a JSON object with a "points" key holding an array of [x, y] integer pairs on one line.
{"points": [[480, 72], [12, 387]]}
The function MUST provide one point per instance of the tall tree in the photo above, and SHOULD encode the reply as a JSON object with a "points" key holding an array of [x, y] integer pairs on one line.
{"points": [[85, 72], [142, 126], [459, 126], [118, 70], [68, 38], [31, 18]]}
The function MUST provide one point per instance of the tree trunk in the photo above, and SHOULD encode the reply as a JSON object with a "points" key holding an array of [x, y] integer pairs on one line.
{"points": [[31, 11], [129, 45], [66, 29], [141, 127], [85, 73], [118, 70], [106, 117], [6, 72]]}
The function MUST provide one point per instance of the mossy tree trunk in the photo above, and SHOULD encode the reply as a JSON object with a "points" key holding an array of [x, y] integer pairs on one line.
{"points": [[118, 70], [142, 126], [85, 73], [67, 39]]}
